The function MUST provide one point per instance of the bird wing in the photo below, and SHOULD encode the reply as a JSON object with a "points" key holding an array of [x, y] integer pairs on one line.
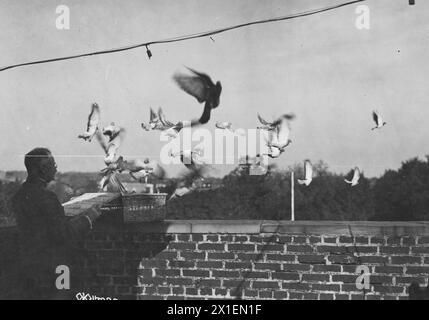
{"points": [[272, 138], [380, 119], [289, 116], [192, 85], [308, 170], [112, 131], [152, 115], [204, 77], [283, 133], [264, 122], [94, 118], [163, 120], [224, 125], [356, 174], [375, 117], [113, 147], [116, 184], [220, 125]]}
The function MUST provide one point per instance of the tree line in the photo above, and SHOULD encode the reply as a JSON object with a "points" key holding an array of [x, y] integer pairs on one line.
{"points": [[398, 195]]}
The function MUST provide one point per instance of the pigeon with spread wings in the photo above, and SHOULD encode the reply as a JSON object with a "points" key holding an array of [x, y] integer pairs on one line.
{"points": [[112, 131], [355, 179], [308, 173], [109, 177], [93, 123], [228, 126], [379, 123], [170, 129], [270, 126], [202, 88], [154, 121], [279, 137]]}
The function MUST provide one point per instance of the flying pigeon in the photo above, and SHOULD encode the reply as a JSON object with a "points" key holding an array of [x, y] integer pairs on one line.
{"points": [[378, 120], [228, 126], [355, 179], [224, 125], [110, 178], [112, 161], [112, 131], [308, 173], [172, 130], [273, 125], [154, 121], [279, 136], [111, 148], [93, 123], [201, 87]]}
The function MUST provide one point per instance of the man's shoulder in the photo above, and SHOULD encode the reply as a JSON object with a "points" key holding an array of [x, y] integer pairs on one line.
{"points": [[28, 192]]}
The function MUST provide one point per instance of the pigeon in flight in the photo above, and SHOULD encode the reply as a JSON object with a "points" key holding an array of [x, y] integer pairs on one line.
{"points": [[270, 126], [228, 126], [308, 173], [93, 123], [379, 123], [278, 135], [110, 178], [355, 179], [112, 131], [202, 88], [111, 148], [224, 125], [154, 121], [172, 130]]}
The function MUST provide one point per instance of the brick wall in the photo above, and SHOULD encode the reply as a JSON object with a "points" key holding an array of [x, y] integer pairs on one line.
{"points": [[256, 259]]}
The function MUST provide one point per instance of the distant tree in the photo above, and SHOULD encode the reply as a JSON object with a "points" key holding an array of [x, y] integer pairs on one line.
{"points": [[403, 194], [7, 190]]}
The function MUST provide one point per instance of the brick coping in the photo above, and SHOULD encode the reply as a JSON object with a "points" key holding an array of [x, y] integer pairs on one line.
{"points": [[349, 228], [355, 228]]}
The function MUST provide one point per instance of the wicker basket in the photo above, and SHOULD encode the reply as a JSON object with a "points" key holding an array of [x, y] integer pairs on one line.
{"points": [[144, 207]]}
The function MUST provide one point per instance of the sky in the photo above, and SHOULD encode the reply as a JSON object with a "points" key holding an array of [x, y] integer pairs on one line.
{"points": [[321, 67]]}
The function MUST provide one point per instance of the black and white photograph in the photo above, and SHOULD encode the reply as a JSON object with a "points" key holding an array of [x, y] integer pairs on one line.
{"points": [[239, 151]]}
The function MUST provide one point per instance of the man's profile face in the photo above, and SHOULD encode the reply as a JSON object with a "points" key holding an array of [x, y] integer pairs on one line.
{"points": [[48, 168]]}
